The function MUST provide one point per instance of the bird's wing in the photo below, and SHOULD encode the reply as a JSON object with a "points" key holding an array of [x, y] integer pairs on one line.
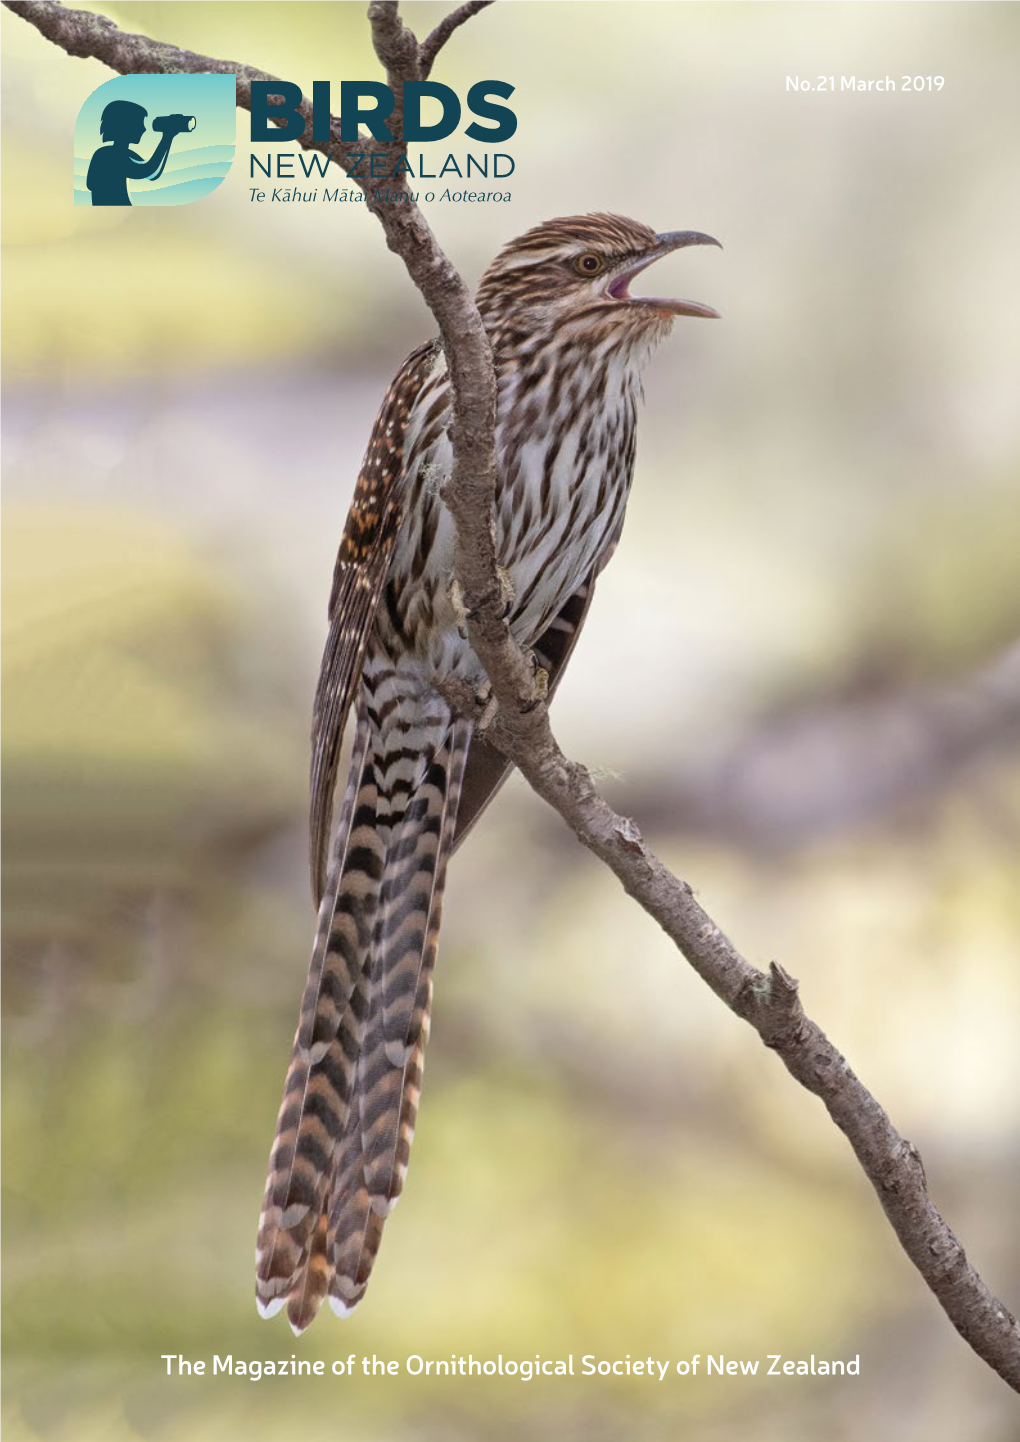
{"points": [[488, 768], [362, 566]]}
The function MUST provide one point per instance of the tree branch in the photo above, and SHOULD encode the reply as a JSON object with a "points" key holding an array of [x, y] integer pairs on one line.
{"points": [[769, 1002], [397, 51], [431, 46], [93, 37]]}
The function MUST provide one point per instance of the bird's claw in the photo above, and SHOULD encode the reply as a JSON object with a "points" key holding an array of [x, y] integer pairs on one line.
{"points": [[465, 613], [488, 707], [459, 606], [541, 681], [506, 592]]}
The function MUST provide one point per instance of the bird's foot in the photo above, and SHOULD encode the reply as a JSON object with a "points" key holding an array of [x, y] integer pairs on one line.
{"points": [[488, 708], [540, 682], [465, 613], [460, 607], [507, 594]]}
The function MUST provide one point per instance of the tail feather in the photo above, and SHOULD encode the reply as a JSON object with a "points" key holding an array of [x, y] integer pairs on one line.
{"points": [[326, 1046], [404, 954], [391, 1064], [306, 1298], [406, 902], [360, 1215], [350, 1212], [351, 1098]]}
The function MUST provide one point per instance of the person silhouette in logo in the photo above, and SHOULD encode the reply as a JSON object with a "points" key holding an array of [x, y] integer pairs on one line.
{"points": [[111, 166]]}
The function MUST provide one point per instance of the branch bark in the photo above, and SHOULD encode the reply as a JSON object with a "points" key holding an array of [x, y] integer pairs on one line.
{"points": [[432, 45], [767, 1001]]}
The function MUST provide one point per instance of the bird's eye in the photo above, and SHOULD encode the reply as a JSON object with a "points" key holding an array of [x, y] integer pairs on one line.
{"points": [[589, 264]]}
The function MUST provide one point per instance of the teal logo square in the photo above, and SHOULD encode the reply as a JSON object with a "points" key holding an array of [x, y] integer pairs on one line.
{"points": [[154, 139]]}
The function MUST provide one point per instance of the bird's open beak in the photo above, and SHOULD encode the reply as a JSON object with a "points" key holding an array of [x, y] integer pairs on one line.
{"points": [[669, 240]]}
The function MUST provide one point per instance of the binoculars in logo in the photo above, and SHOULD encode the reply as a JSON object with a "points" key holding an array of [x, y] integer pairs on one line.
{"points": [[174, 124]]}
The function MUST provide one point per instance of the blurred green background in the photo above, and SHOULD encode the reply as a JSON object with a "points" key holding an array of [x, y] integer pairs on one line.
{"points": [[801, 676]]}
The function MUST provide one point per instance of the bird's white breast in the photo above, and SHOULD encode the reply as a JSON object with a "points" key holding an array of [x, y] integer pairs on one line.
{"points": [[565, 470]]}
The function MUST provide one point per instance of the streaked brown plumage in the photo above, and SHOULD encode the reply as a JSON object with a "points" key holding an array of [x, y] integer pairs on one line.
{"points": [[569, 342]]}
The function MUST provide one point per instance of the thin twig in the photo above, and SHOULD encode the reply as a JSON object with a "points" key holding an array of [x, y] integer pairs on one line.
{"points": [[769, 1002], [83, 34], [431, 46]]}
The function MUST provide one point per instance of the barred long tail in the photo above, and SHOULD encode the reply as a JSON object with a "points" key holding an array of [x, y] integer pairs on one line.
{"points": [[350, 1100]]}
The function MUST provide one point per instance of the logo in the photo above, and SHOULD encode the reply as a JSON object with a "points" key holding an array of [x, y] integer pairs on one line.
{"points": [[271, 120], [183, 126]]}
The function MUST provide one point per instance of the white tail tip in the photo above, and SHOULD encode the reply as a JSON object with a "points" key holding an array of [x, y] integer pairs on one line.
{"points": [[270, 1309]]}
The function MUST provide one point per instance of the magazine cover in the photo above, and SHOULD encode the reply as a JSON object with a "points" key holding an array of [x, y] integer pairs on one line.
{"points": [[510, 559]]}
